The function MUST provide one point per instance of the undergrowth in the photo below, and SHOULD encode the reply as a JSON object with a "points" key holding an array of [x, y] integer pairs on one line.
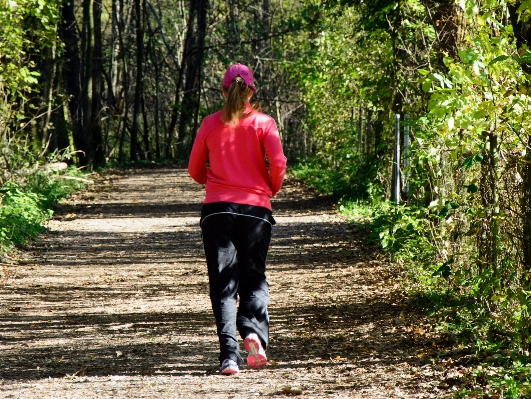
{"points": [[498, 365], [26, 204]]}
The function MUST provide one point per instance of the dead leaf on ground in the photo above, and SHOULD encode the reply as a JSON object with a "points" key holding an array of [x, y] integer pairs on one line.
{"points": [[291, 390], [79, 373]]}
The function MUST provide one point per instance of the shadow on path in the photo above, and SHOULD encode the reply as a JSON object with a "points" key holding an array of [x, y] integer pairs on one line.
{"points": [[118, 286]]}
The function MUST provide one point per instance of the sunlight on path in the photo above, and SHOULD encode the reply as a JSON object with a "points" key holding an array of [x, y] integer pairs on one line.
{"points": [[114, 304]]}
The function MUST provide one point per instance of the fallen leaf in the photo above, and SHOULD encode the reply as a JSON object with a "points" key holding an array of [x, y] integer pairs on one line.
{"points": [[340, 359], [291, 390], [79, 373]]}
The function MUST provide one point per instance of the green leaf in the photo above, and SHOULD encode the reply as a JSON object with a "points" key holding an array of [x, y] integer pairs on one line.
{"points": [[480, 114], [423, 72], [499, 59], [426, 86], [444, 270], [526, 57], [469, 161], [524, 8], [472, 188]]}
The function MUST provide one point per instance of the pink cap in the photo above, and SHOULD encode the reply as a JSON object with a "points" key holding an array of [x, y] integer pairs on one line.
{"points": [[239, 70]]}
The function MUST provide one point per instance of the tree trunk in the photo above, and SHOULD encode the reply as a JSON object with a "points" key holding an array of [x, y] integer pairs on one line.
{"points": [[49, 67], [124, 88], [176, 110], [72, 73], [522, 34], [154, 61], [192, 85], [140, 6], [446, 17], [145, 131], [111, 76], [233, 28], [87, 159], [97, 86]]}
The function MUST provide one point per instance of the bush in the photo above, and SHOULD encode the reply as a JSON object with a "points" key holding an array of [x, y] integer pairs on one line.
{"points": [[22, 215], [25, 206]]}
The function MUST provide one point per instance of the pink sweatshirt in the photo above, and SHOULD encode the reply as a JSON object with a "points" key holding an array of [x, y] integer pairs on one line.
{"points": [[237, 170]]}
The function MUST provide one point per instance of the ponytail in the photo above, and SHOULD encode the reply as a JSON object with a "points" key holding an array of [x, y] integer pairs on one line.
{"points": [[238, 94]]}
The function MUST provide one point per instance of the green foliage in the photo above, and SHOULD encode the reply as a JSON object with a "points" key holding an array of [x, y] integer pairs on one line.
{"points": [[27, 28], [21, 215], [459, 234], [351, 180], [26, 205], [398, 229], [503, 375]]}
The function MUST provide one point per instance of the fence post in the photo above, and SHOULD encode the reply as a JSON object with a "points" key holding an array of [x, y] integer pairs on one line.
{"points": [[406, 155], [396, 165]]}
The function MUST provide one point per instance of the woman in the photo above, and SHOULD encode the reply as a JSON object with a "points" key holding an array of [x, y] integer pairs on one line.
{"points": [[229, 156]]}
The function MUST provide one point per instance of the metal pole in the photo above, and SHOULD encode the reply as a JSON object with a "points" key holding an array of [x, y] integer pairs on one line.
{"points": [[360, 127], [406, 154], [396, 171]]}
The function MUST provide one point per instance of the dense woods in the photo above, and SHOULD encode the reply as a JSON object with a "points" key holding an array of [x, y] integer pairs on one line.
{"points": [[115, 81]]}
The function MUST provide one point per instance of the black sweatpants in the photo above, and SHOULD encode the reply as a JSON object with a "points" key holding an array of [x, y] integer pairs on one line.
{"points": [[236, 240]]}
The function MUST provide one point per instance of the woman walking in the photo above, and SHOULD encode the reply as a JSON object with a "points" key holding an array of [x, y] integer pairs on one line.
{"points": [[238, 155]]}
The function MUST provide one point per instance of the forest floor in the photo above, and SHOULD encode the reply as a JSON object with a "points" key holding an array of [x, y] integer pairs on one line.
{"points": [[112, 302]]}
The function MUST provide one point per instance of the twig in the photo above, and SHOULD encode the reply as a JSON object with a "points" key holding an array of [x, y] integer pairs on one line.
{"points": [[77, 178]]}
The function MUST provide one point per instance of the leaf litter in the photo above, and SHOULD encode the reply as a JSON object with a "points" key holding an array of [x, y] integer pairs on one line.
{"points": [[113, 303]]}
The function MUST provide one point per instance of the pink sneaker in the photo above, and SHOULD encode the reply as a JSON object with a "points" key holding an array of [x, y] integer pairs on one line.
{"points": [[229, 367], [257, 357]]}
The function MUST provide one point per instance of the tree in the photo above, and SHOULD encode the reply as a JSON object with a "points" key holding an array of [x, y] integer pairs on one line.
{"points": [[140, 6], [192, 82], [522, 33]]}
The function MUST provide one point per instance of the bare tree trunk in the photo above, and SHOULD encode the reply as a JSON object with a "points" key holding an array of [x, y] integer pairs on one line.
{"points": [[97, 86], [87, 159], [72, 72], [140, 6], [176, 110], [153, 56], [232, 27], [48, 75], [60, 139], [112, 75], [145, 131], [192, 86], [124, 98]]}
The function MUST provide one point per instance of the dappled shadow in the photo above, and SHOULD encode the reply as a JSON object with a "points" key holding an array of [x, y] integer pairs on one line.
{"points": [[130, 210], [185, 343], [294, 245], [120, 288]]}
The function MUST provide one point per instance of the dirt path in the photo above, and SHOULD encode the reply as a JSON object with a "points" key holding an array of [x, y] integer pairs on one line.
{"points": [[114, 304]]}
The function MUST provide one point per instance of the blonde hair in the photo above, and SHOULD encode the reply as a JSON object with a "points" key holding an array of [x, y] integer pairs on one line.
{"points": [[237, 95]]}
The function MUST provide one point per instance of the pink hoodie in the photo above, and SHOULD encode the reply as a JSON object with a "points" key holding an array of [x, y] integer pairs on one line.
{"points": [[238, 171]]}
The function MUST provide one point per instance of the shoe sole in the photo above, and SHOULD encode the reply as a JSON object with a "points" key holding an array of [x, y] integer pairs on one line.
{"points": [[231, 370], [257, 358]]}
